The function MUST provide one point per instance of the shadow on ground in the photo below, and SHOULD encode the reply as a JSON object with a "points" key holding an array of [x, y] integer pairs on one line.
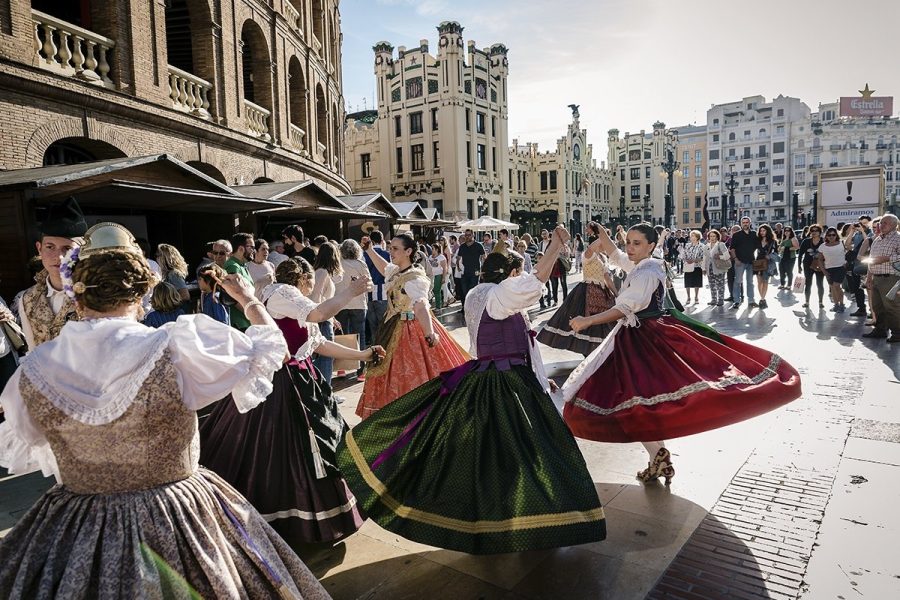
{"points": [[646, 529]]}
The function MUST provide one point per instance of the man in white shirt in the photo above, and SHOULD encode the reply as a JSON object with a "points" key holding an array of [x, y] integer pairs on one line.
{"points": [[44, 307], [276, 253]]}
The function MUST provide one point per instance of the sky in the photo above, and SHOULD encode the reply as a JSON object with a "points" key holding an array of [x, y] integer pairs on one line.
{"points": [[629, 63]]}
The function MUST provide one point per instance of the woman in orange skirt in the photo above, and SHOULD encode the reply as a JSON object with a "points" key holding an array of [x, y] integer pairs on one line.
{"points": [[418, 347]]}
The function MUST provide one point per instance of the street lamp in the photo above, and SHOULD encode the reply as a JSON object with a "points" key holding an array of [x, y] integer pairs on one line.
{"points": [[647, 207], [670, 166], [732, 185], [622, 211], [795, 210]]}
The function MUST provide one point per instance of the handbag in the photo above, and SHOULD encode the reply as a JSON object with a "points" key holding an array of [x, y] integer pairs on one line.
{"points": [[721, 261], [348, 340], [760, 265], [799, 283], [818, 263], [15, 336], [861, 268], [565, 263]]}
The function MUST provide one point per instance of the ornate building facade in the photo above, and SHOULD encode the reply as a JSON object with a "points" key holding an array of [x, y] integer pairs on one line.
{"points": [[242, 91], [566, 186], [439, 136], [640, 185]]}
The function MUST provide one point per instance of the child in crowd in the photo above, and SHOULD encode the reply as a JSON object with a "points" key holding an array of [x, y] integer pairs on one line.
{"points": [[166, 304]]}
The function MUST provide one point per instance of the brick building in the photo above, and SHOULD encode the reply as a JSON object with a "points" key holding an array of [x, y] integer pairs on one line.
{"points": [[244, 91]]}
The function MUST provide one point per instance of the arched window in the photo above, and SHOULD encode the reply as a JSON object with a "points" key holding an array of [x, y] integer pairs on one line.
{"points": [[297, 102], [76, 150], [257, 80], [322, 151], [189, 49], [208, 170], [318, 22], [731, 137]]}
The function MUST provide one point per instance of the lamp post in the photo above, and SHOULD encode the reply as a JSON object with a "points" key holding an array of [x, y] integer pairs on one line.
{"points": [[795, 210], [622, 211], [732, 185], [815, 208], [670, 166], [647, 207]]}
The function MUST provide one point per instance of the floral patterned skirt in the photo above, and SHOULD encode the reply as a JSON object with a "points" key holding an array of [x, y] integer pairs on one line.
{"points": [[194, 536]]}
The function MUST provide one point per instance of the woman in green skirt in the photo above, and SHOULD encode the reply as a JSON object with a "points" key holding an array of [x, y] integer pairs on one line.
{"points": [[478, 459]]}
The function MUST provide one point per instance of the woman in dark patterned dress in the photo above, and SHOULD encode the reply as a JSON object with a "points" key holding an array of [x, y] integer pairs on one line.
{"points": [[281, 454], [595, 294]]}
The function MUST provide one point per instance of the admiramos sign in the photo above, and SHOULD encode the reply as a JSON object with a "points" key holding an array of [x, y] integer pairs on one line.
{"points": [[867, 105]]}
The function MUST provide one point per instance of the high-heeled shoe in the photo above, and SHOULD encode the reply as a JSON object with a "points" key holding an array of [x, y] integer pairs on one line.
{"points": [[660, 466]]}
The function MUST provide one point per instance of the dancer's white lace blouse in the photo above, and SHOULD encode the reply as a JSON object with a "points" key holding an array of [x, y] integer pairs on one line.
{"points": [[287, 302], [95, 368]]}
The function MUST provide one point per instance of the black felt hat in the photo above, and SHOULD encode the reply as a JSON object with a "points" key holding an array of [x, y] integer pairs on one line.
{"points": [[64, 220]]}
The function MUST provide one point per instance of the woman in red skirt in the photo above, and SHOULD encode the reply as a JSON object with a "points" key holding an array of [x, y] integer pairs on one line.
{"points": [[660, 374]]}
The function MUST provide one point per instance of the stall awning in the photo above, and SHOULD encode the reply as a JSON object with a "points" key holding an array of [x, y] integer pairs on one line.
{"points": [[145, 196]]}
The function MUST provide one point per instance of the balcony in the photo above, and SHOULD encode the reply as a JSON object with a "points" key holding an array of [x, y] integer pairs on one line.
{"points": [[881, 146], [297, 136], [746, 188], [832, 164], [731, 159], [317, 45], [257, 120], [320, 151], [762, 171], [189, 93], [836, 147], [761, 188], [293, 18], [747, 172], [69, 50], [815, 166], [816, 149]]}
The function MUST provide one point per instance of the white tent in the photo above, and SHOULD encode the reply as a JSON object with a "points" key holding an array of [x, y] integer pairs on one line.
{"points": [[486, 224]]}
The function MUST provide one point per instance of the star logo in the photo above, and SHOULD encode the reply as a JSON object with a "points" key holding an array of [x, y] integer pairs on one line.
{"points": [[867, 93]]}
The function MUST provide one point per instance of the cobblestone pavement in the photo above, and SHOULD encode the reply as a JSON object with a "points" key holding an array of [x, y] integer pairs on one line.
{"points": [[797, 503]]}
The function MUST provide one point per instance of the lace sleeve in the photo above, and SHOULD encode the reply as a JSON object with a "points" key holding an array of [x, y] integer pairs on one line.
{"points": [[215, 360], [23, 447], [286, 301], [636, 296], [417, 289]]}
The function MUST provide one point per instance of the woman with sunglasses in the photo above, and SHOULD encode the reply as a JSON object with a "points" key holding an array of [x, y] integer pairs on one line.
{"points": [[835, 266], [809, 249]]}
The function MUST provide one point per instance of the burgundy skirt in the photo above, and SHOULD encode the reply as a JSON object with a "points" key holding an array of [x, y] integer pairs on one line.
{"points": [[672, 377]]}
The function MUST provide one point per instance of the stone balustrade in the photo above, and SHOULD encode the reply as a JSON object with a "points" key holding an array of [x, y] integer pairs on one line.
{"points": [[292, 17], [257, 120], [297, 136], [189, 93], [70, 50]]}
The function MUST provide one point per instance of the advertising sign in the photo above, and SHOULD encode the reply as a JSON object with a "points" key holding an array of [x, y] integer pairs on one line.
{"points": [[847, 194], [881, 106]]}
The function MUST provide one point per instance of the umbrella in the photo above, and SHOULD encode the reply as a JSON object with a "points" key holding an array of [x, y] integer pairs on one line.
{"points": [[487, 224]]}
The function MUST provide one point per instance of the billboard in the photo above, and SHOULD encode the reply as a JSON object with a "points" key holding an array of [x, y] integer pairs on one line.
{"points": [[872, 106], [847, 194]]}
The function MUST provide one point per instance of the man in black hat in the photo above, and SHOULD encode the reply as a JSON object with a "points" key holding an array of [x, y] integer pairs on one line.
{"points": [[44, 307]]}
